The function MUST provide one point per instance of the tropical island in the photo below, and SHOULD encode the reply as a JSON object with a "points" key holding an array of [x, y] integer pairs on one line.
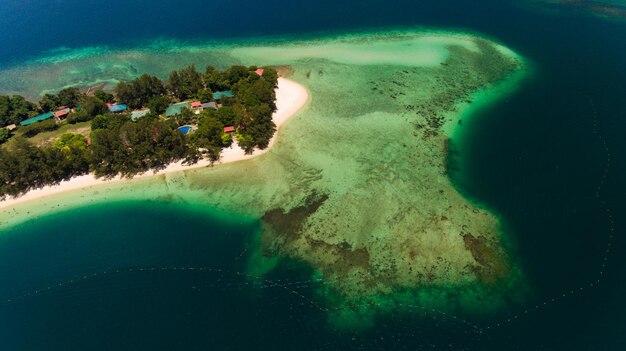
{"points": [[188, 118], [359, 186]]}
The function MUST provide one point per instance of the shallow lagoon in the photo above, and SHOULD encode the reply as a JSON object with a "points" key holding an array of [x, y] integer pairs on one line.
{"points": [[540, 168], [382, 140]]}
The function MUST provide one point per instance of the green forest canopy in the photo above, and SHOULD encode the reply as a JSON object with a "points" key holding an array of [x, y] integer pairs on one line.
{"points": [[119, 146]]}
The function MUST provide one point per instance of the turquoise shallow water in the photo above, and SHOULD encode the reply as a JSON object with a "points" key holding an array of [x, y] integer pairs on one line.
{"points": [[533, 158]]}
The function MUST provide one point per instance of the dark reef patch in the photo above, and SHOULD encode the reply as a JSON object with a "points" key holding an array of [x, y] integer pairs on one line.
{"points": [[348, 257], [283, 228], [491, 263]]}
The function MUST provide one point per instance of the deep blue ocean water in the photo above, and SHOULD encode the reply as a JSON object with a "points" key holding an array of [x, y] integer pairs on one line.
{"points": [[537, 158]]}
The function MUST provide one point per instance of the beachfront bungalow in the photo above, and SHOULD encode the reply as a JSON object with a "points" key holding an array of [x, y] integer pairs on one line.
{"points": [[118, 108], [259, 71], [135, 115], [229, 129], [35, 119], [61, 113], [222, 94]]}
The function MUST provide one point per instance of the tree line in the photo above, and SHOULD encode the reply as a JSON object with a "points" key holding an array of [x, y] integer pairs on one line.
{"points": [[119, 146], [15, 109], [250, 110]]}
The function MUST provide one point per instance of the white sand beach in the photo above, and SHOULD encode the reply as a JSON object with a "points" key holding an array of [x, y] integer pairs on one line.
{"points": [[291, 97]]}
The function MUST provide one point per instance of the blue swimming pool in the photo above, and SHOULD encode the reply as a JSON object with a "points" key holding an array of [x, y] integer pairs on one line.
{"points": [[185, 129]]}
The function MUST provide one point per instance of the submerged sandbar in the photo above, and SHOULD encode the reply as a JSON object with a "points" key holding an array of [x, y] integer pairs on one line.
{"points": [[356, 185]]}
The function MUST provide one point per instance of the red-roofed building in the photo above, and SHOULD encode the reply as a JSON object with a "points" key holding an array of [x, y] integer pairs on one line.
{"points": [[62, 113], [229, 129], [259, 71], [196, 104]]}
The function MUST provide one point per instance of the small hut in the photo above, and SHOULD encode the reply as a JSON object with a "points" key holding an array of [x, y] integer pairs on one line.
{"points": [[223, 94], [211, 104], [62, 113], [118, 108]]}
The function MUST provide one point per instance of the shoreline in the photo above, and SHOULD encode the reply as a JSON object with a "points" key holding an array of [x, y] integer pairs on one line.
{"points": [[291, 97], [356, 145], [53, 57]]}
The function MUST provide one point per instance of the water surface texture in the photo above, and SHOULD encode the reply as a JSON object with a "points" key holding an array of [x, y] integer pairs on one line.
{"points": [[539, 159]]}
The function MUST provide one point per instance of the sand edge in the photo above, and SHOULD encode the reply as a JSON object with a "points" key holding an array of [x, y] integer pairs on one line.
{"points": [[291, 97]]}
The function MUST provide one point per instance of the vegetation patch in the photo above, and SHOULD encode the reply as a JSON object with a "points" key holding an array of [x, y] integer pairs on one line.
{"points": [[239, 100]]}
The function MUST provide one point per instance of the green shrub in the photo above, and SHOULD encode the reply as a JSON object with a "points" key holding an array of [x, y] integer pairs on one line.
{"points": [[79, 117], [39, 127], [5, 134]]}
